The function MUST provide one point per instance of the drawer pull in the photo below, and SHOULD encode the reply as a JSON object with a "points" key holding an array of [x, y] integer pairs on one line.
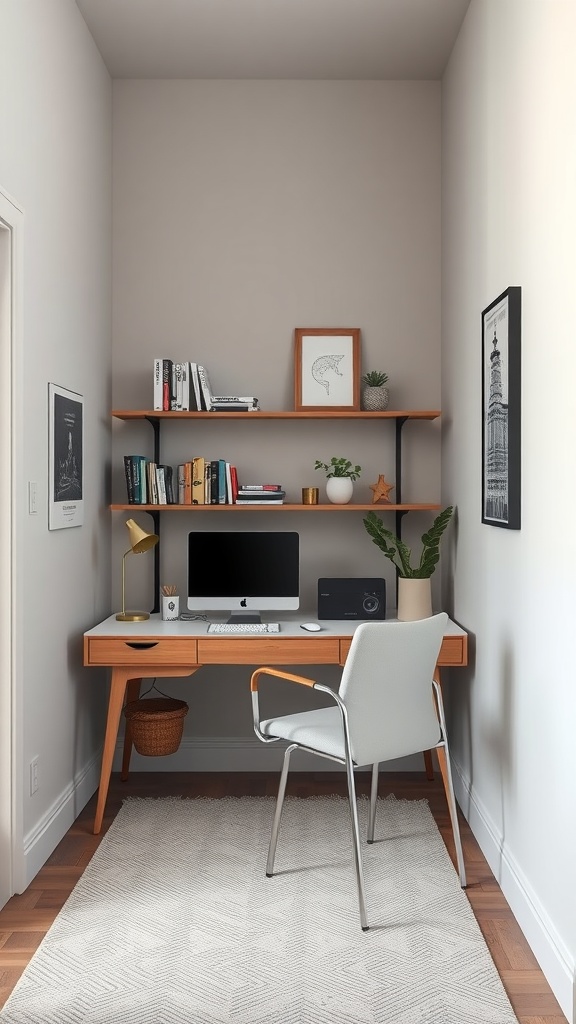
{"points": [[141, 645]]}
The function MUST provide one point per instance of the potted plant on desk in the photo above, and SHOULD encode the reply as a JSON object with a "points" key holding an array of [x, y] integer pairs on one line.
{"points": [[414, 587], [340, 476]]}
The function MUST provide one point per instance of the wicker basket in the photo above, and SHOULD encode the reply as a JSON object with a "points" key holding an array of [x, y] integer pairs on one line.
{"points": [[157, 724]]}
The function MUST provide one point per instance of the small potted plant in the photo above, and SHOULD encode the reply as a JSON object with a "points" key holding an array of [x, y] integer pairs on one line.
{"points": [[414, 587], [340, 476], [375, 395]]}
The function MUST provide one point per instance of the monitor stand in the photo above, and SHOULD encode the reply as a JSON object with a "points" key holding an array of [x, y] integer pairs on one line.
{"points": [[245, 617]]}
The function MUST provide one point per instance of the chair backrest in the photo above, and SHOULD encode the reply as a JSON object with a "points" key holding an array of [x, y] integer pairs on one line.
{"points": [[387, 688]]}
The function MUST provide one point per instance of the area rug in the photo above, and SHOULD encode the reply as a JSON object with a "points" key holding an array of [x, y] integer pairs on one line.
{"points": [[175, 922]]}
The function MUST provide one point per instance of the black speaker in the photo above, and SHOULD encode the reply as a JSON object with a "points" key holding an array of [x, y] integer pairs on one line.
{"points": [[351, 598]]}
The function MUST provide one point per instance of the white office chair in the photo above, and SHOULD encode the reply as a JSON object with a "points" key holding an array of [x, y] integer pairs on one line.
{"points": [[389, 705]]}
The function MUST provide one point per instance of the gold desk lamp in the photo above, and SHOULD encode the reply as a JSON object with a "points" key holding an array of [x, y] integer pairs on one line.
{"points": [[139, 541]]}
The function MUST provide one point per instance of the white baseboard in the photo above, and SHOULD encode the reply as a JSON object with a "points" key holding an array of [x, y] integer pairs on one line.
{"points": [[40, 842], [241, 754], [550, 951]]}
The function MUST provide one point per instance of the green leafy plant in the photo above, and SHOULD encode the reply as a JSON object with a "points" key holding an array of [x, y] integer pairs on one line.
{"points": [[339, 467], [400, 554], [375, 379]]}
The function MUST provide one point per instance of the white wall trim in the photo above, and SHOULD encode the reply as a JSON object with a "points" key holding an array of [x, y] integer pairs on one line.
{"points": [[549, 949], [43, 839]]}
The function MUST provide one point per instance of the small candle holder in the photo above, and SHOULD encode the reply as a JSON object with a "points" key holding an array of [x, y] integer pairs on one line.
{"points": [[310, 495]]}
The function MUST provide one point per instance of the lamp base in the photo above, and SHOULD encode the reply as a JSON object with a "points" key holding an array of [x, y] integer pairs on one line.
{"points": [[132, 616]]}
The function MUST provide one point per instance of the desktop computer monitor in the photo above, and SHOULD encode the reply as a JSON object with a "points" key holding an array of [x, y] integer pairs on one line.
{"points": [[243, 573]]}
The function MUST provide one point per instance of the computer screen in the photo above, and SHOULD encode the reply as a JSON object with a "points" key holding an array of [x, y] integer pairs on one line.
{"points": [[243, 573]]}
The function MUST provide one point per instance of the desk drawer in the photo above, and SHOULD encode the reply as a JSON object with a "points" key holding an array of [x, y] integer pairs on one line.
{"points": [[152, 651], [267, 650], [454, 650]]}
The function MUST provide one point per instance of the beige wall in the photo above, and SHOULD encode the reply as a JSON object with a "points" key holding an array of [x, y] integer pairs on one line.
{"points": [[509, 167], [55, 161], [241, 211]]}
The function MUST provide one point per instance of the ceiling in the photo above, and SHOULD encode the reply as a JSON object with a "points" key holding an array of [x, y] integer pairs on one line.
{"points": [[306, 39]]}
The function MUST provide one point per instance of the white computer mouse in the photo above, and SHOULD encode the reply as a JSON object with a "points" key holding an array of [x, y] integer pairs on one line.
{"points": [[312, 627]]}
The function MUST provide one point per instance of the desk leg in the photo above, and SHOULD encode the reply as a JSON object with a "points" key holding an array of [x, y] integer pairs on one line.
{"points": [[132, 693], [120, 677]]}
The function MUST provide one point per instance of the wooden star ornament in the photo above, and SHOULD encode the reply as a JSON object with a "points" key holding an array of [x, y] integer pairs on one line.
{"points": [[381, 490]]}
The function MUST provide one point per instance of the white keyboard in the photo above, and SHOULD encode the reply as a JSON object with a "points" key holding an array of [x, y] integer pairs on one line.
{"points": [[244, 627]]}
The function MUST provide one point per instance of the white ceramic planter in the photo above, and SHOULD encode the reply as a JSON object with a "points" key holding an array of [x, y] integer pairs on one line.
{"points": [[414, 599], [339, 489]]}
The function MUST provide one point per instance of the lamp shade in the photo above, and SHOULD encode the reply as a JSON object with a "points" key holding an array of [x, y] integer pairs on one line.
{"points": [[140, 540]]}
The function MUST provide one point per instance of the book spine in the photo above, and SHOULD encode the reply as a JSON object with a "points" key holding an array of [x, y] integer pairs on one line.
{"points": [[169, 482], [187, 483], [214, 482], [207, 482], [259, 501], [234, 477], [177, 397], [128, 472], [135, 464], [181, 484], [161, 481], [198, 482], [221, 482], [229, 498], [261, 487], [243, 399], [158, 384], [231, 407], [151, 483], [204, 387], [185, 387], [195, 386], [166, 384]]}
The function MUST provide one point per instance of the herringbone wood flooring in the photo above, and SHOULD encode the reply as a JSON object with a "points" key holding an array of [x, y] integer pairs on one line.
{"points": [[27, 917]]}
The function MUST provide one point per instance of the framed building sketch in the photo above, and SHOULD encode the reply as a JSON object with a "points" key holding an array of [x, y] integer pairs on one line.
{"points": [[327, 368], [501, 424], [66, 458]]}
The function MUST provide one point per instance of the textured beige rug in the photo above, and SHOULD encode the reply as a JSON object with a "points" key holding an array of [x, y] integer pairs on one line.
{"points": [[175, 922]]}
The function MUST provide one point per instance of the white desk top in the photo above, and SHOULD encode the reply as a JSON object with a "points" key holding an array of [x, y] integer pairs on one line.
{"points": [[289, 626]]}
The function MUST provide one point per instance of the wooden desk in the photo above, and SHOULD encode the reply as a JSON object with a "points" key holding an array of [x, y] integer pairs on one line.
{"points": [[137, 650]]}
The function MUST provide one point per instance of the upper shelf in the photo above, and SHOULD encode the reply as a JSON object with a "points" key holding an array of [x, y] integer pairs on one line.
{"points": [[155, 414]]}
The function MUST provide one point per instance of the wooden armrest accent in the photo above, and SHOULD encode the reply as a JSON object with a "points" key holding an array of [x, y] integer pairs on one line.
{"points": [[303, 680]]}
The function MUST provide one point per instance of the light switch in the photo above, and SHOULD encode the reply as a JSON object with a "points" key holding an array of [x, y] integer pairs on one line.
{"points": [[32, 498]]}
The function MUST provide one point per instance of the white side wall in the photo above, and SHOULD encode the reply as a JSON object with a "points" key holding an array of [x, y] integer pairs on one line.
{"points": [[509, 202], [55, 160], [241, 211]]}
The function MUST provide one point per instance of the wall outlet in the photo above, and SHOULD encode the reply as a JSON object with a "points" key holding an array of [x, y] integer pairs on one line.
{"points": [[33, 776]]}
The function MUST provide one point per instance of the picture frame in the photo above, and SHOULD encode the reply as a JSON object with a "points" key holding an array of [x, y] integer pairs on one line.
{"points": [[327, 368], [65, 458], [501, 422]]}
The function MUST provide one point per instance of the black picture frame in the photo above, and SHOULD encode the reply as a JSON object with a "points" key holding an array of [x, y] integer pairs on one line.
{"points": [[501, 424]]}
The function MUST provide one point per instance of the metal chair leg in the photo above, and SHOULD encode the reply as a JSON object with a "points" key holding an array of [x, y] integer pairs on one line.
{"points": [[373, 798], [278, 811], [356, 841]]}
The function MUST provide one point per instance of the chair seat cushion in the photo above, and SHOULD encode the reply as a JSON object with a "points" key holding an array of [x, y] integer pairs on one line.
{"points": [[321, 730]]}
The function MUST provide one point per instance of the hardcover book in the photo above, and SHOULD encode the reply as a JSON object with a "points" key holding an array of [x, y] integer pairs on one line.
{"points": [[205, 392], [198, 481], [158, 384], [195, 387]]}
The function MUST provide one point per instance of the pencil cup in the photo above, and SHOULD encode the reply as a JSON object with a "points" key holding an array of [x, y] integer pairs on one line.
{"points": [[170, 607], [310, 495]]}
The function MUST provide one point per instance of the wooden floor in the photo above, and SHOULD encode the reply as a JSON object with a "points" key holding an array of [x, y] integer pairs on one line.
{"points": [[26, 918]]}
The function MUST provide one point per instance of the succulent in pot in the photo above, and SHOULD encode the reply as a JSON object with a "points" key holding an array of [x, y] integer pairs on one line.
{"points": [[375, 394]]}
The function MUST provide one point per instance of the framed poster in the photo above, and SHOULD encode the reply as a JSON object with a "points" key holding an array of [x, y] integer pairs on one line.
{"points": [[501, 411], [66, 458], [327, 368]]}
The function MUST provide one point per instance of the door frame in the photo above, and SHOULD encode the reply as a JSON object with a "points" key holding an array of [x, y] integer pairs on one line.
{"points": [[12, 875]]}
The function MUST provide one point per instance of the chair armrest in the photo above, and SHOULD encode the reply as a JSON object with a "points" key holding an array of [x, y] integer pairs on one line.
{"points": [[254, 681], [303, 680]]}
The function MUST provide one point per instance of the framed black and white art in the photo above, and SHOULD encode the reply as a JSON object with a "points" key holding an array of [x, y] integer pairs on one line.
{"points": [[501, 411], [65, 458], [327, 368]]}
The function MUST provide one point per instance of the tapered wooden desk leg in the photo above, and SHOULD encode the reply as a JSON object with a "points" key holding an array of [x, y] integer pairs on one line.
{"points": [[443, 765], [132, 693], [429, 765], [115, 702]]}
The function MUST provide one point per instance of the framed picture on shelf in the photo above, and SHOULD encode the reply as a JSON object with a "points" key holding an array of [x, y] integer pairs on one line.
{"points": [[327, 368], [501, 424], [66, 458]]}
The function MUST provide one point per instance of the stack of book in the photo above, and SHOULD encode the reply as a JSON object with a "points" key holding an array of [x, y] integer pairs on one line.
{"points": [[260, 494], [148, 483], [185, 387]]}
